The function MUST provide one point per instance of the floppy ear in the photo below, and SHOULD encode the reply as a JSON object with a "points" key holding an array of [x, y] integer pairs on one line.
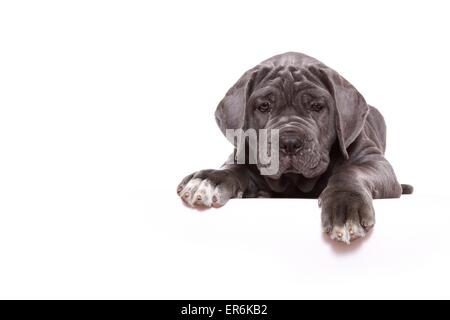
{"points": [[351, 108], [230, 113]]}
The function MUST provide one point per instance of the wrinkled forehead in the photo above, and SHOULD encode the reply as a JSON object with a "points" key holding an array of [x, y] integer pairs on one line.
{"points": [[287, 79]]}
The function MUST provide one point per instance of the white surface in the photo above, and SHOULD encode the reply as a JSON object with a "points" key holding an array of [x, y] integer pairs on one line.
{"points": [[106, 105]]}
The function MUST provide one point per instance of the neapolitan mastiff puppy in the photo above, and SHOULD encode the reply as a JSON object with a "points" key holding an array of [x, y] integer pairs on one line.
{"points": [[331, 145]]}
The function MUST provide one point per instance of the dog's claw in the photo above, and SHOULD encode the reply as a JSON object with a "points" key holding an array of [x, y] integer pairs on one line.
{"points": [[327, 230]]}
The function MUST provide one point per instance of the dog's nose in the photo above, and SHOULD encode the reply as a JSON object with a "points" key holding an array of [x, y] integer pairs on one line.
{"points": [[290, 144]]}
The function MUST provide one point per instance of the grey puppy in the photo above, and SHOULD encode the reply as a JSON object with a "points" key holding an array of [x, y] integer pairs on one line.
{"points": [[331, 145]]}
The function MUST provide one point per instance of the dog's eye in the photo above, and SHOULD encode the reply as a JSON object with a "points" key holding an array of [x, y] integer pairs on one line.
{"points": [[264, 107], [316, 106]]}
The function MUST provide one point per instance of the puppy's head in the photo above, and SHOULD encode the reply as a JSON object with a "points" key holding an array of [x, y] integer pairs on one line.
{"points": [[309, 104]]}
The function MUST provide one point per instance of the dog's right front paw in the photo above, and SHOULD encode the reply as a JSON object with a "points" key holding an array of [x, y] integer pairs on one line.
{"points": [[209, 188]]}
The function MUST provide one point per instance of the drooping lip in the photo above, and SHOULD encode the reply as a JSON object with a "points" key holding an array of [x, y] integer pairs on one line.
{"points": [[309, 161], [307, 172]]}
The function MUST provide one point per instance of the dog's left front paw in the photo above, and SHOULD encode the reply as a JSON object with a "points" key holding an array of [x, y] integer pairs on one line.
{"points": [[346, 215]]}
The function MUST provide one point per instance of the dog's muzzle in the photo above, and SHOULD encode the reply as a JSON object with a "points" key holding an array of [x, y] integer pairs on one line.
{"points": [[298, 151], [293, 142]]}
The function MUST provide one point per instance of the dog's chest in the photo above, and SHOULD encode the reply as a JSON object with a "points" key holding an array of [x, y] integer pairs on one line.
{"points": [[296, 186]]}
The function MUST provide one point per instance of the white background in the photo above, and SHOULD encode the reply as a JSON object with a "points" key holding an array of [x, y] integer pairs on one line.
{"points": [[106, 105]]}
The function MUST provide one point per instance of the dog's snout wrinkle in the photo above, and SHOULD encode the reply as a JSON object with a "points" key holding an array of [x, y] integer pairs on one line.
{"points": [[290, 122]]}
